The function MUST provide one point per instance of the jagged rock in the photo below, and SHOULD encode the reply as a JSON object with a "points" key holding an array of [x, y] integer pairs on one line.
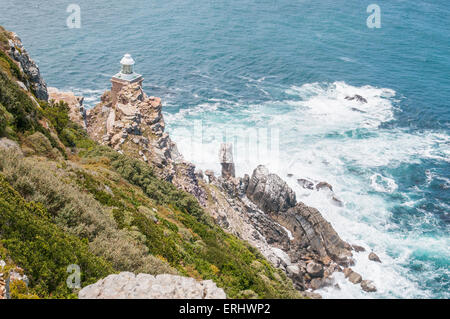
{"points": [[312, 295], [269, 192], [137, 122], [324, 185], [18, 53], [358, 248], [354, 277], [356, 97], [314, 269], [305, 183], [22, 85], [374, 257], [293, 269], [336, 201], [310, 228], [77, 112], [210, 174], [126, 285], [226, 160], [199, 174], [368, 285]]}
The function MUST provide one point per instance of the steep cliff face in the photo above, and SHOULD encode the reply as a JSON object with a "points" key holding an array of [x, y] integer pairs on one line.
{"points": [[135, 126]]}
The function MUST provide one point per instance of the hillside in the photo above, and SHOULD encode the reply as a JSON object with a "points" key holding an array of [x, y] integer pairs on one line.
{"points": [[106, 189], [65, 200]]}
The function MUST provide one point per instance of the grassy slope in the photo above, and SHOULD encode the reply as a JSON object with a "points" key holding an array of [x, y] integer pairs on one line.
{"points": [[87, 204]]}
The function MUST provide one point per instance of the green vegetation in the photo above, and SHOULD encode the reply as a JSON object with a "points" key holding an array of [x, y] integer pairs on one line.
{"points": [[104, 211], [42, 248], [4, 37]]}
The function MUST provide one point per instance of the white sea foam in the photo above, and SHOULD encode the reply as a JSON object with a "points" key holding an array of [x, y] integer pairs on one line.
{"points": [[325, 137]]}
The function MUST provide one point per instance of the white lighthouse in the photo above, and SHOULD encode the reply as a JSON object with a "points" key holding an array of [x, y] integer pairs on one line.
{"points": [[124, 77]]}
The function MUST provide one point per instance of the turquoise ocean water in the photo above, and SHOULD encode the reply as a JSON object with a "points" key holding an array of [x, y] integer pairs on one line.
{"points": [[286, 67]]}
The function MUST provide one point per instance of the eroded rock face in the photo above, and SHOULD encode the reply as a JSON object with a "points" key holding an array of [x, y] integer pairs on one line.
{"points": [[77, 112], [126, 285], [292, 236], [35, 81], [269, 192], [310, 228], [135, 126]]}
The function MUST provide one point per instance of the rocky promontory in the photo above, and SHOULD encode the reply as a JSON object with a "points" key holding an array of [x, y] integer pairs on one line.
{"points": [[32, 81], [260, 209]]}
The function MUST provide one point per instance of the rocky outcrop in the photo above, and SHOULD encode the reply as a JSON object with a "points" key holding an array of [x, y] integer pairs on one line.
{"points": [[126, 285], [294, 237], [355, 278], [135, 126], [367, 285], [310, 184], [226, 160], [12, 275], [34, 80], [356, 97], [261, 209], [77, 112], [269, 192], [313, 232], [374, 257]]}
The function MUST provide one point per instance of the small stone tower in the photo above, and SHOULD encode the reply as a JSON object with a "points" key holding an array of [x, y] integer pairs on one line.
{"points": [[124, 77]]}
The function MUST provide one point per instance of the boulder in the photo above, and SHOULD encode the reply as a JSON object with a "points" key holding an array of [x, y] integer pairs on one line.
{"points": [[305, 183], [269, 192], [314, 269], [316, 283], [347, 272], [354, 278], [324, 185], [368, 285], [29, 67], [358, 248], [312, 230], [356, 97], [126, 285], [374, 257]]}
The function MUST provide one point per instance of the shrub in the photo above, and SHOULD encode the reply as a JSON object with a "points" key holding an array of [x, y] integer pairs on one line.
{"points": [[77, 212], [41, 248]]}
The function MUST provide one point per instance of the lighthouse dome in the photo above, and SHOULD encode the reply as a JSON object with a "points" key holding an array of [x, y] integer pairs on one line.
{"points": [[127, 60]]}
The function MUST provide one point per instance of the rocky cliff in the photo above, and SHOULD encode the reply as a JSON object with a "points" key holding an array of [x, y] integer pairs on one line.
{"points": [[261, 209], [32, 79], [128, 209], [135, 126], [76, 202]]}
